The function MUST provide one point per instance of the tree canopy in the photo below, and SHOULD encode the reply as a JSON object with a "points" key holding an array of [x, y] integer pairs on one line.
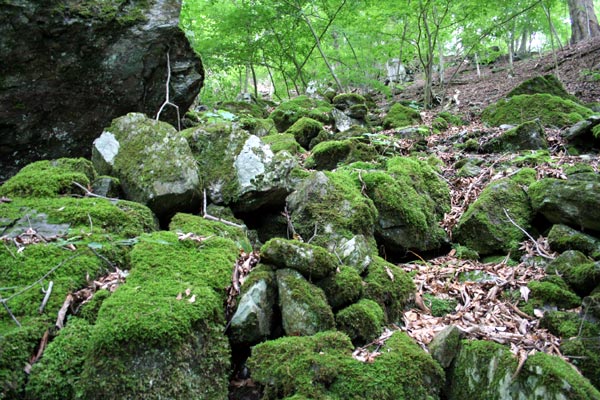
{"points": [[288, 46]]}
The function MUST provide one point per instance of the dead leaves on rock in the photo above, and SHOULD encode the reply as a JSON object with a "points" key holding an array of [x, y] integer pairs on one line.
{"points": [[241, 269]]}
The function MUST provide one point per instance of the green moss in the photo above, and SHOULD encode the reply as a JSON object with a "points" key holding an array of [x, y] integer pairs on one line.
{"points": [[596, 131], [562, 238], [532, 158], [260, 127], [389, 286], [465, 253], [343, 287], [50, 178], [485, 228], [329, 154], [121, 11], [558, 376], [242, 108], [451, 118], [439, 307], [527, 136], [288, 112], [401, 371], [439, 124], [17, 345], [305, 130], [554, 293], [362, 321], [313, 262], [550, 110], [568, 325], [400, 116], [283, 141], [305, 366], [548, 84], [304, 307], [262, 272], [89, 310], [578, 271], [188, 223], [57, 374], [583, 354]]}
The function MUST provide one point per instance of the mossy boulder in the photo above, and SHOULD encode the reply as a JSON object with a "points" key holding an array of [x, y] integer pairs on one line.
{"points": [[50, 178], [260, 127], [188, 223], [57, 375], [485, 226], [352, 104], [527, 136], [571, 202], [253, 319], [328, 155], [445, 345], [562, 238], [305, 366], [330, 208], [411, 201], [243, 108], [566, 325], [342, 288], [390, 287], [362, 321], [551, 111], [321, 366], [583, 354], [288, 112], [283, 142], [548, 84], [486, 370], [402, 371], [165, 324], [400, 116], [584, 135], [307, 132], [553, 291], [304, 308], [153, 162], [238, 169], [313, 262], [580, 272]]}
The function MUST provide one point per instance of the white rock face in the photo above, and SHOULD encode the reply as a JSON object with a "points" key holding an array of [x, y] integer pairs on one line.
{"points": [[250, 163], [106, 147]]}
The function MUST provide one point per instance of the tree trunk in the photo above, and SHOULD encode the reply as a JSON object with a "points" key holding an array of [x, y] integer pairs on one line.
{"points": [[584, 23]]}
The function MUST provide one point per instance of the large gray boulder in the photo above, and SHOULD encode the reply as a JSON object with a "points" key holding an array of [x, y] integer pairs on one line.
{"points": [[238, 169], [153, 162], [68, 68]]}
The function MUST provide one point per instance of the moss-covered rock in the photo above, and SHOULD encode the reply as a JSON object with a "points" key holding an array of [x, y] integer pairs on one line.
{"points": [[570, 202], [582, 352], [304, 307], [288, 112], [313, 262], [362, 321], [389, 286], [566, 325], [328, 155], [550, 110], [402, 371], [553, 291], [50, 178], [485, 227], [342, 288], [486, 370], [445, 345], [353, 103], [243, 108], [548, 84], [188, 223], [562, 238], [321, 366], [527, 136], [400, 116], [305, 130], [239, 169], [58, 373], [306, 366], [329, 207], [252, 321], [165, 325], [411, 200], [579, 272], [153, 162], [283, 141]]}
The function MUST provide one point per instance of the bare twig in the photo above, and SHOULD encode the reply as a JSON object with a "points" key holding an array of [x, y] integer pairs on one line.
{"points": [[3, 301], [47, 294], [167, 99], [62, 313], [212, 218], [541, 252], [90, 194]]}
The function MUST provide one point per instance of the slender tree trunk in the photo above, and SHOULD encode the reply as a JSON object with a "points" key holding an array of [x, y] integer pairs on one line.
{"points": [[552, 28], [254, 80], [584, 23]]}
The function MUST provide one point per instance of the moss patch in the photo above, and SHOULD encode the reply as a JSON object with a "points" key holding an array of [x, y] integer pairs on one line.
{"points": [[313, 262], [343, 287], [551, 111], [362, 321], [400, 116], [283, 142], [288, 112], [327, 155]]}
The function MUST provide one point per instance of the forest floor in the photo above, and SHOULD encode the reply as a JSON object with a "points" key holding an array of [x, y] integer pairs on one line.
{"points": [[572, 65]]}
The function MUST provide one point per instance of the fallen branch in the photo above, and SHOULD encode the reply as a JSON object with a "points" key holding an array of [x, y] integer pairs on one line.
{"points": [[205, 215], [167, 100], [62, 313], [90, 194], [3, 301], [541, 252], [47, 294]]}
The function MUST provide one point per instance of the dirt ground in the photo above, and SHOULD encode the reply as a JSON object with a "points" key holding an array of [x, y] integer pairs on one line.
{"points": [[571, 65]]}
